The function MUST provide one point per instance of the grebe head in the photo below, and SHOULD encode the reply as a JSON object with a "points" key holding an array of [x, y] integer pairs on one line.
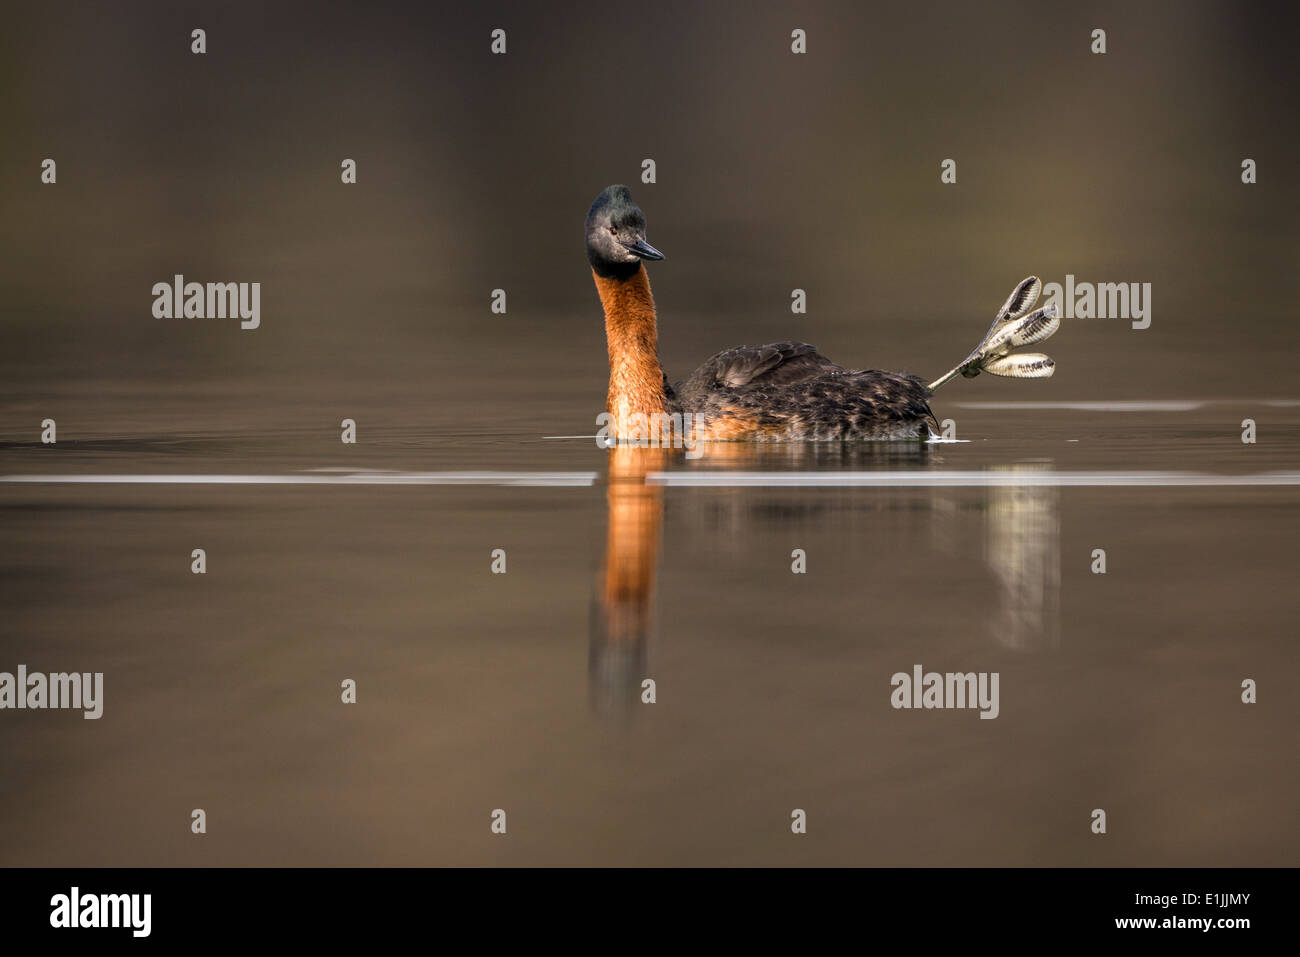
{"points": [[616, 235]]}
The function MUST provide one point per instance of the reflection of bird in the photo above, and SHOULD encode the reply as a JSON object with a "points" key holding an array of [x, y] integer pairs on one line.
{"points": [[621, 614], [1022, 545], [779, 391]]}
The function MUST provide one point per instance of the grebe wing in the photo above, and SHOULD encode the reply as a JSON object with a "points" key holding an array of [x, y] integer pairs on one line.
{"points": [[777, 363]]}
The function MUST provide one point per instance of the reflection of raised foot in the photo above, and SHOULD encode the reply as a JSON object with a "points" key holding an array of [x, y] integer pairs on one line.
{"points": [[1013, 326]]}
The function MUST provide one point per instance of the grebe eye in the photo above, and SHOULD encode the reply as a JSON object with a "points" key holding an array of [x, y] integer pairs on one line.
{"points": [[613, 231]]}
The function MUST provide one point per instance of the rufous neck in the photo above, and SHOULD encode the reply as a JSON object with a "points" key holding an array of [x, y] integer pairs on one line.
{"points": [[636, 380]]}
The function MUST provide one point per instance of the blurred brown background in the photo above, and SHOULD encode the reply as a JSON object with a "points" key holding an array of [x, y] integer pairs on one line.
{"points": [[775, 171]]}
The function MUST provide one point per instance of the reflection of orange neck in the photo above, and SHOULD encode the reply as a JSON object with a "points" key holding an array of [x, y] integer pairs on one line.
{"points": [[632, 545], [636, 380]]}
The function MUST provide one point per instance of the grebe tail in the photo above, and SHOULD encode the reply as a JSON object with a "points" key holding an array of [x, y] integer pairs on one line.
{"points": [[1013, 326]]}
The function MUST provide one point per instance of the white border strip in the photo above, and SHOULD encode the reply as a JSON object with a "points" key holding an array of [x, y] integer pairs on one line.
{"points": [[565, 479], [1127, 405], [970, 479], [725, 479]]}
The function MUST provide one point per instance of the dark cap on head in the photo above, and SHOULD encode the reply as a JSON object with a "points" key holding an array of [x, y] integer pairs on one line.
{"points": [[616, 235]]}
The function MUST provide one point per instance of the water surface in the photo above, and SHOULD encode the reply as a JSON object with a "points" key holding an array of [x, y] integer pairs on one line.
{"points": [[523, 691]]}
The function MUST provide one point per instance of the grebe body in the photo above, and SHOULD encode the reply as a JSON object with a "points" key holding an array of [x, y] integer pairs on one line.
{"points": [[781, 391]]}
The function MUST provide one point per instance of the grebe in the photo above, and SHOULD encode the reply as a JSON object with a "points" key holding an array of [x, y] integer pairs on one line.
{"points": [[783, 391]]}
